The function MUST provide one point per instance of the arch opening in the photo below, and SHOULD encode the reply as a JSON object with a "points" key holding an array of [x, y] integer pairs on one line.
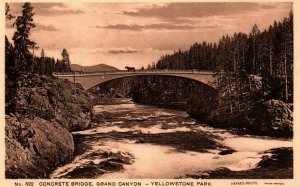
{"points": [[164, 91]]}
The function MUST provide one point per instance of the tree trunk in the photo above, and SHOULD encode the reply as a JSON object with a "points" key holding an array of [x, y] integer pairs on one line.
{"points": [[285, 74], [253, 57], [243, 56], [32, 65], [270, 57], [229, 94], [234, 63]]}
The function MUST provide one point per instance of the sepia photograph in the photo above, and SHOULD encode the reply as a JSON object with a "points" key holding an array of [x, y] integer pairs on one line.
{"points": [[190, 91]]}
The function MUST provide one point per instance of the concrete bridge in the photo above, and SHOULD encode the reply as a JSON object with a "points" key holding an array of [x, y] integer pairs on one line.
{"points": [[89, 80]]}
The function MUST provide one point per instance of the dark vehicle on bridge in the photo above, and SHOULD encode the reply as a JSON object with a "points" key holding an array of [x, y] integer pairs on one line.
{"points": [[130, 68]]}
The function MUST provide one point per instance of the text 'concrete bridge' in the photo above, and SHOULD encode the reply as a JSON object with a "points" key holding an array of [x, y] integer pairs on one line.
{"points": [[89, 80]]}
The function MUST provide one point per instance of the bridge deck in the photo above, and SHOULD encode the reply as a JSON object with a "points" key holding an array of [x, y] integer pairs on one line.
{"points": [[131, 72]]}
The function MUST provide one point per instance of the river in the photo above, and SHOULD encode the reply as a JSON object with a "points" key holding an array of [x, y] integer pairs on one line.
{"points": [[129, 140]]}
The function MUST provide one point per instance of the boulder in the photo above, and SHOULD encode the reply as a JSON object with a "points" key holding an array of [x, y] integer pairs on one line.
{"points": [[270, 118], [35, 147]]}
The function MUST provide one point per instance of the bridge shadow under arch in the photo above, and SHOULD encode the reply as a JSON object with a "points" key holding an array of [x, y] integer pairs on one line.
{"points": [[162, 90], [209, 86]]}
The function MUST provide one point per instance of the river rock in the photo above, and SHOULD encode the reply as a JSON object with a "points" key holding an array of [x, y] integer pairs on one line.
{"points": [[227, 152], [273, 118], [111, 166], [85, 172]]}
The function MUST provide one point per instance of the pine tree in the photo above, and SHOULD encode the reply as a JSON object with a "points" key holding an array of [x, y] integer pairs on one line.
{"points": [[52, 65], [22, 43], [66, 60], [42, 63], [42, 53], [254, 35], [58, 66]]}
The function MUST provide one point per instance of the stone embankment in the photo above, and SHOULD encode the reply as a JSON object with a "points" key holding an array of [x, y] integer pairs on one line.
{"points": [[41, 112]]}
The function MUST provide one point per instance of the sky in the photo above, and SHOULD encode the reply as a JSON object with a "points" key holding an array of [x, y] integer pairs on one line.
{"points": [[137, 34]]}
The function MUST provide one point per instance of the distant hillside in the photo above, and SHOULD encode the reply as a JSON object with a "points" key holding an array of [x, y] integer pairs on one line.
{"points": [[99, 67]]}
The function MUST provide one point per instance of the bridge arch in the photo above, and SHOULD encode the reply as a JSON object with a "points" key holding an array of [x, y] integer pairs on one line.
{"points": [[89, 80], [158, 76]]}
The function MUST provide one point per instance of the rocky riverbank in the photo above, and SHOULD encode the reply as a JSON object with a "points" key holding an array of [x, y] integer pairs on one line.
{"points": [[41, 112], [268, 118]]}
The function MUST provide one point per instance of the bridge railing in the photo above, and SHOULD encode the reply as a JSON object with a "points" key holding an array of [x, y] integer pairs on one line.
{"points": [[74, 73]]}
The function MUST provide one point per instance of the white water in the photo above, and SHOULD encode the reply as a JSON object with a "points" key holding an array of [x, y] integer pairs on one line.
{"points": [[156, 129], [113, 108], [158, 161], [153, 161], [247, 144]]}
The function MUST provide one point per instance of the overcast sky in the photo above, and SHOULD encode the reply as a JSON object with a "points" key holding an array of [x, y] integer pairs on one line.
{"points": [[137, 34]]}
